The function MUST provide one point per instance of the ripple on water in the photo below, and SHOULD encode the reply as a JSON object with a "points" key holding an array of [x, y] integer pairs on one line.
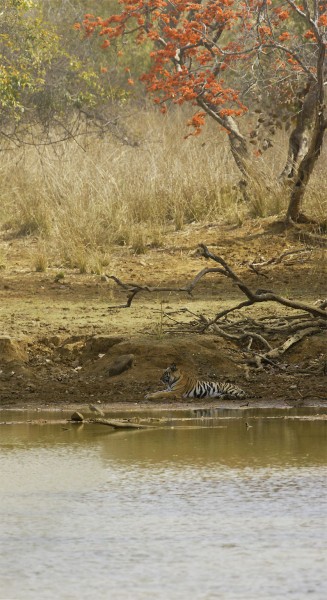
{"points": [[200, 514]]}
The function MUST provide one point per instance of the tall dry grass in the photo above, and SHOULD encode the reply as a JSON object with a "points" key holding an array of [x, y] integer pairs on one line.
{"points": [[80, 200]]}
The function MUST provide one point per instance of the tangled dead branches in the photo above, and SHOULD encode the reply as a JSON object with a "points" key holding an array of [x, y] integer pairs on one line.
{"points": [[249, 334]]}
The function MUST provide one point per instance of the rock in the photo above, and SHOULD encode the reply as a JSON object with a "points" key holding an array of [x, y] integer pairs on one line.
{"points": [[121, 364], [100, 344], [77, 417], [12, 350], [96, 410], [51, 341], [69, 350]]}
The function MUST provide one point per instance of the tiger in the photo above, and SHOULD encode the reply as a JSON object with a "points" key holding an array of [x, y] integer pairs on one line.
{"points": [[181, 385]]}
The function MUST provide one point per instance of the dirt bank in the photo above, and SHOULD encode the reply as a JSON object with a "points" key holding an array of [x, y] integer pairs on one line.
{"points": [[63, 342]]}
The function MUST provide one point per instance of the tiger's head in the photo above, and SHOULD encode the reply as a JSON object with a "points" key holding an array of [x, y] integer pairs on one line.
{"points": [[171, 375]]}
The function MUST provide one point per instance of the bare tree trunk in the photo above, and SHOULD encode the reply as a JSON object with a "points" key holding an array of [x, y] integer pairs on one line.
{"points": [[305, 141], [305, 170], [238, 146], [237, 141], [308, 162], [299, 138]]}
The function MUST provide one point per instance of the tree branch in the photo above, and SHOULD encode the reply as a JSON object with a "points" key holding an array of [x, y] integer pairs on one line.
{"points": [[264, 296], [252, 297]]}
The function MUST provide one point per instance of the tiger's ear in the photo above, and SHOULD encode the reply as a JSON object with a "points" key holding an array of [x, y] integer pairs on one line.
{"points": [[173, 367]]}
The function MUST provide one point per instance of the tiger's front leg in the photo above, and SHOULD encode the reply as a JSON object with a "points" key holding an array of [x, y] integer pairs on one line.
{"points": [[161, 394]]}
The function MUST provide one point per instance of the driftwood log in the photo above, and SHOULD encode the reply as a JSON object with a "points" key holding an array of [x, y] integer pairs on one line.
{"points": [[121, 424]]}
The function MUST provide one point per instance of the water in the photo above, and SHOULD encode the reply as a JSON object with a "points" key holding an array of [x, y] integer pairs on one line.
{"points": [[211, 510]]}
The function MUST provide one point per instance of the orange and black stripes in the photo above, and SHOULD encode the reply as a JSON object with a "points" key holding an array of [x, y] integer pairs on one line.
{"points": [[188, 387]]}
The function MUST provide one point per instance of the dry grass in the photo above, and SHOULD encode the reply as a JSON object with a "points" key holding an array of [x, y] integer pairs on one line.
{"points": [[82, 201]]}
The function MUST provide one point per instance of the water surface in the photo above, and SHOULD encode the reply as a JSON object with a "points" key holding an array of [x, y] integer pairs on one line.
{"points": [[215, 509]]}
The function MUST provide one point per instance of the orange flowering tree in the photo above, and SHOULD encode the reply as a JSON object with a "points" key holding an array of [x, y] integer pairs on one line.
{"points": [[228, 58]]}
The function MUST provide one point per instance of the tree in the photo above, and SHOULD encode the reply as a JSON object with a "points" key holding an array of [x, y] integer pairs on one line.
{"points": [[229, 58], [48, 92], [25, 49]]}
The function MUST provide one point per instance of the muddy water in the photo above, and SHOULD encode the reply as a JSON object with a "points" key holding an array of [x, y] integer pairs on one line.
{"points": [[203, 508]]}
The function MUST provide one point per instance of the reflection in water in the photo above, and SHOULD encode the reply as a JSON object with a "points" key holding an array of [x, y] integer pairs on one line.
{"points": [[224, 512]]}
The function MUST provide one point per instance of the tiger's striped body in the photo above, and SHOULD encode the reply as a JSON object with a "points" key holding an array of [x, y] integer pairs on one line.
{"points": [[183, 386]]}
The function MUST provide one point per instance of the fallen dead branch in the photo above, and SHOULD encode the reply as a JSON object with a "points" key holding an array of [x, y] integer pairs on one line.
{"points": [[121, 424], [244, 335], [309, 237], [259, 295], [278, 259], [252, 297], [134, 288], [275, 353], [294, 339], [251, 335]]}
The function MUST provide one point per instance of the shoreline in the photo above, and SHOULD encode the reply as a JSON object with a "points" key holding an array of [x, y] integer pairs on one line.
{"points": [[139, 407]]}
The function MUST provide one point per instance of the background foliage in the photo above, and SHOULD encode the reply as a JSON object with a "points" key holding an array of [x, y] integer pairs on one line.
{"points": [[87, 162]]}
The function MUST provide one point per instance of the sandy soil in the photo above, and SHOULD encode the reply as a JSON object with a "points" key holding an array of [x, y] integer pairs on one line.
{"points": [[61, 338]]}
